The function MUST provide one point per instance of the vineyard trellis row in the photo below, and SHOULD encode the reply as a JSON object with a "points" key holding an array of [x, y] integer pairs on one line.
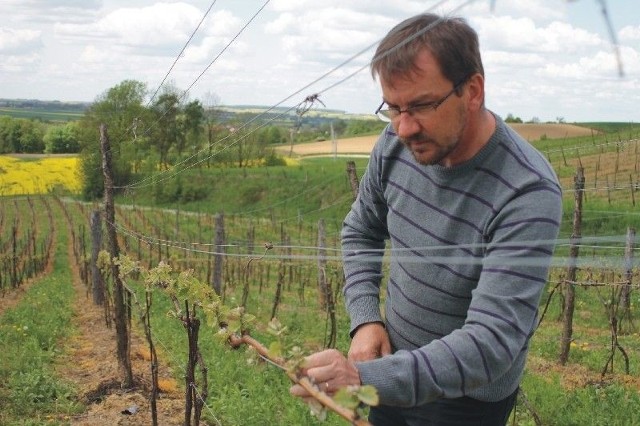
{"points": [[615, 180], [617, 304], [184, 248], [122, 296], [262, 272], [238, 272], [26, 243], [178, 237]]}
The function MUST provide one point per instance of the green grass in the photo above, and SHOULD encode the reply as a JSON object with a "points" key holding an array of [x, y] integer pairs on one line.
{"points": [[291, 200], [42, 114], [621, 128], [243, 389], [244, 196], [317, 188], [594, 405], [31, 335]]}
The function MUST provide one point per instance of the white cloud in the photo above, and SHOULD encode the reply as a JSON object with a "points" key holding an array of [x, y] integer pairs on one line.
{"points": [[281, 23], [373, 7], [328, 34], [538, 10], [501, 58], [538, 59], [602, 64], [57, 4], [629, 34], [150, 29], [47, 11], [523, 35], [18, 65], [15, 41], [92, 54]]}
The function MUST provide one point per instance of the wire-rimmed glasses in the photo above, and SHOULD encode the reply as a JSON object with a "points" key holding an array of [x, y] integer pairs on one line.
{"points": [[417, 111]]}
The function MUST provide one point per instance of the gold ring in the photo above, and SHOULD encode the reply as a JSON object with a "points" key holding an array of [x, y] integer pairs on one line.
{"points": [[326, 386]]}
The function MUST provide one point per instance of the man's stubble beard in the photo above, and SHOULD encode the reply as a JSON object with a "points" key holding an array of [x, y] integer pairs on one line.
{"points": [[442, 150]]}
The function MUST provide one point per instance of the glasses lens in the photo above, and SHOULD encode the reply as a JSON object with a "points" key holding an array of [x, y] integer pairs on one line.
{"points": [[423, 111], [384, 115]]}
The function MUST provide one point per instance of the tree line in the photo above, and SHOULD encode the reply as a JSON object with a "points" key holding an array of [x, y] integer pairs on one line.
{"points": [[23, 135], [158, 133]]}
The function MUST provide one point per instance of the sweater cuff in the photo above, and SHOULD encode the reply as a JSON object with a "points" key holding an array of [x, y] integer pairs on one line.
{"points": [[390, 375], [364, 310]]}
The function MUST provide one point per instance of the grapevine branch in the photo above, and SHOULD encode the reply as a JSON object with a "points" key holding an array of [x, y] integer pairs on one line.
{"points": [[245, 279], [307, 384], [233, 326]]}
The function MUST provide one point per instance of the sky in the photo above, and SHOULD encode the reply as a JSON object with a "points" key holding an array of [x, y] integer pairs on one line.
{"points": [[553, 60]]}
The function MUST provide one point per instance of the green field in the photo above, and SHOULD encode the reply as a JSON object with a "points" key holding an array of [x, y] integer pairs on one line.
{"points": [[43, 115], [158, 220]]}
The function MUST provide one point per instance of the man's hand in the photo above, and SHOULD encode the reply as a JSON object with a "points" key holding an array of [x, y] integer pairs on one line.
{"points": [[370, 341], [330, 370]]}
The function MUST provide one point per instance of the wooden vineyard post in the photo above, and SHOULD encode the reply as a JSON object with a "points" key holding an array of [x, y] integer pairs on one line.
{"points": [[322, 266], [97, 283], [325, 295], [122, 327], [569, 285], [625, 292], [14, 256], [564, 158], [353, 178], [278, 294], [216, 276]]}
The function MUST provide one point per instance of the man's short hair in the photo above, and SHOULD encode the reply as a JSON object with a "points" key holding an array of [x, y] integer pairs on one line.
{"points": [[450, 40]]}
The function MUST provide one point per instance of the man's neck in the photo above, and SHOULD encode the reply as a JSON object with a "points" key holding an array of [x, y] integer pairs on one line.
{"points": [[479, 129]]}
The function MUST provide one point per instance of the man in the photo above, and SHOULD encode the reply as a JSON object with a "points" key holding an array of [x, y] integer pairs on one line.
{"points": [[472, 212]]}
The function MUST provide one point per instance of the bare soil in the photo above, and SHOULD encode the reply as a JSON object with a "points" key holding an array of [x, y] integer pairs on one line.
{"points": [[575, 376], [364, 144], [91, 364]]}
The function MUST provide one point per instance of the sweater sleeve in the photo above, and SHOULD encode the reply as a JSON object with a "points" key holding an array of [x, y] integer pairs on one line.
{"points": [[363, 237]]}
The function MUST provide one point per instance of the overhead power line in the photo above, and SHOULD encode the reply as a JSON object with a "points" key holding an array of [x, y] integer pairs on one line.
{"points": [[186, 91], [181, 53], [305, 87]]}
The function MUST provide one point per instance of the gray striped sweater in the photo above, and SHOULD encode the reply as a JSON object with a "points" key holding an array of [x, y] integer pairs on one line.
{"points": [[470, 252]]}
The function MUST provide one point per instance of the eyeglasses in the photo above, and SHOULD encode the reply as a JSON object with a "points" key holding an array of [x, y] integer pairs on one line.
{"points": [[418, 111]]}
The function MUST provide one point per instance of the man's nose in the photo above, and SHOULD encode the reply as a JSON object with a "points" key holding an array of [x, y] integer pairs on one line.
{"points": [[406, 125]]}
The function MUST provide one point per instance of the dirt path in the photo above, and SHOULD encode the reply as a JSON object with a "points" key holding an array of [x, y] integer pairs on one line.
{"points": [[91, 364], [11, 298]]}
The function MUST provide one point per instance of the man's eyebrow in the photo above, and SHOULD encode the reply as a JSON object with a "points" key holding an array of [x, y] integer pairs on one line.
{"points": [[420, 100]]}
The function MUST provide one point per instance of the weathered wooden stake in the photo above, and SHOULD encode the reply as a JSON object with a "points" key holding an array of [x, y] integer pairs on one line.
{"points": [[569, 289], [216, 281], [625, 293], [353, 178], [121, 317], [322, 266], [97, 283]]}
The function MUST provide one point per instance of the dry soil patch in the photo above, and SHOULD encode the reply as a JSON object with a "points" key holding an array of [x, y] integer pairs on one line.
{"points": [[91, 364]]}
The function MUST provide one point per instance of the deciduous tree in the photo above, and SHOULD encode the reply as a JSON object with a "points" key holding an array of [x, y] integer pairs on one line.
{"points": [[121, 109]]}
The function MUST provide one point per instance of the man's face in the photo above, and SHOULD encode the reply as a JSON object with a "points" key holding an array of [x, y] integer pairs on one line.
{"points": [[433, 135]]}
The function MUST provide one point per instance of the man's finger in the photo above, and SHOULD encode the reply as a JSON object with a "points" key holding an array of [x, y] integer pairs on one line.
{"points": [[297, 390]]}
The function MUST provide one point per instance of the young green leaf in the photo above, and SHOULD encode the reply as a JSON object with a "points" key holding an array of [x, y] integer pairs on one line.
{"points": [[368, 395]]}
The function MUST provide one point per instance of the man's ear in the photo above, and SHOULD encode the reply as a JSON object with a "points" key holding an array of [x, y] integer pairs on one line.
{"points": [[475, 87]]}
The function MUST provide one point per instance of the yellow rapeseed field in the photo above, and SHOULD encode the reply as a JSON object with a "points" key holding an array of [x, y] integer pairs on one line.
{"points": [[38, 175]]}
